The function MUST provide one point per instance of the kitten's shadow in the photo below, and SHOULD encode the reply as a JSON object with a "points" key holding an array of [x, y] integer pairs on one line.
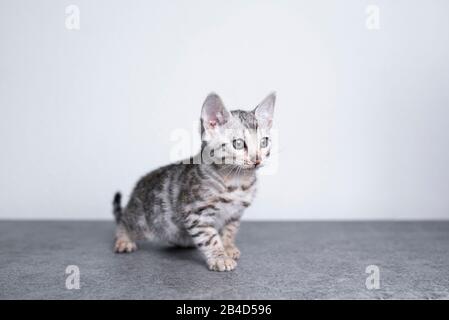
{"points": [[172, 251]]}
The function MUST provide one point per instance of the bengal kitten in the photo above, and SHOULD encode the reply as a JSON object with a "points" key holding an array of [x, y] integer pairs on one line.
{"points": [[199, 202]]}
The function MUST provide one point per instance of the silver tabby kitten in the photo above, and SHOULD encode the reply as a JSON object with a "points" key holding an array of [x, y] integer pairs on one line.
{"points": [[199, 202]]}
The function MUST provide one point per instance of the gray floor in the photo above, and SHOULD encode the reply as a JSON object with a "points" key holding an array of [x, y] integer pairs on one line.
{"points": [[285, 260]]}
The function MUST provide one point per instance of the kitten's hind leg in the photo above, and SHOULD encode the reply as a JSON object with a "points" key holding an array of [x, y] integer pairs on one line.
{"points": [[124, 243]]}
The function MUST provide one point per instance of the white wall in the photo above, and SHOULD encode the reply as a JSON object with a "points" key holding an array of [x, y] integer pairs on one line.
{"points": [[362, 115]]}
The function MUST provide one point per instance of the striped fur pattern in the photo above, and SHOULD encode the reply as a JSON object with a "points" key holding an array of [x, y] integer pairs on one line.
{"points": [[197, 202]]}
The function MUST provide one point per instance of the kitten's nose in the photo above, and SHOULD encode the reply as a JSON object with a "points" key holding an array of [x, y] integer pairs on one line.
{"points": [[257, 162]]}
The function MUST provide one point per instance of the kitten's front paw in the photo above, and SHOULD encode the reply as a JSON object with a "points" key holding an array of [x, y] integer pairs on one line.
{"points": [[222, 264], [232, 252], [122, 245]]}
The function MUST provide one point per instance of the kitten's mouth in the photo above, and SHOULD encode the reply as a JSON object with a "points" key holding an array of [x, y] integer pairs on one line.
{"points": [[255, 164], [252, 166]]}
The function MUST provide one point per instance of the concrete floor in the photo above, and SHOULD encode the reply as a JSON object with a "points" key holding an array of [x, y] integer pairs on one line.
{"points": [[282, 260]]}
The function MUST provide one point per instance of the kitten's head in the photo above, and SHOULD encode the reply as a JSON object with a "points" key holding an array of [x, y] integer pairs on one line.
{"points": [[237, 137]]}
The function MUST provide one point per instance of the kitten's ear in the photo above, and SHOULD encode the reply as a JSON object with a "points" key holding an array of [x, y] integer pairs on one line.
{"points": [[214, 113], [265, 110]]}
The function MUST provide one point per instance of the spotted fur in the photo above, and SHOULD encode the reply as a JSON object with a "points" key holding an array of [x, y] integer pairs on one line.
{"points": [[199, 203]]}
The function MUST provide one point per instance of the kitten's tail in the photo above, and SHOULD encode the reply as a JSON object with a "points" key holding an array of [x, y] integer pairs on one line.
{"points": [[117, 206]]}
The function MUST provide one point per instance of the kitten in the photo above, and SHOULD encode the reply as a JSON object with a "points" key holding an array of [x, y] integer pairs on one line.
{"points": [[199, 202]]}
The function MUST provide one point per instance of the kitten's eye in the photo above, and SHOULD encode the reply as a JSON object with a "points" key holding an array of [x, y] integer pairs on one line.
{"points": [[264, 142], [238, 144]]}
